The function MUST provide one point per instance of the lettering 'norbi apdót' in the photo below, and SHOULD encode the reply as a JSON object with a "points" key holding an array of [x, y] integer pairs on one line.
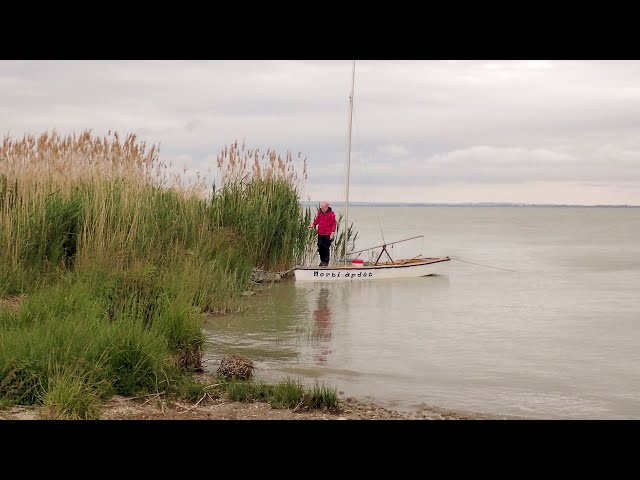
{"points": [[317, 273]]}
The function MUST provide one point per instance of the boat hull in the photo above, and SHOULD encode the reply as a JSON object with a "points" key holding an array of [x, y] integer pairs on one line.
{"points": [[339, 273]]}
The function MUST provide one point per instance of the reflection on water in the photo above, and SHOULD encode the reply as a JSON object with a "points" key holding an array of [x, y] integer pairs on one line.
{"points": [[322, 322], [324, 331]]}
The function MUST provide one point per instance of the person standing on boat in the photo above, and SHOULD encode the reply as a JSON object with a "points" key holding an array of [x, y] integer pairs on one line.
{"points": [[326, 222]]}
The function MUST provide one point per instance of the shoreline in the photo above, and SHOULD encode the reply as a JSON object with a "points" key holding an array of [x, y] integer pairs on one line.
{"points": [[123, 408], [156, 407]]}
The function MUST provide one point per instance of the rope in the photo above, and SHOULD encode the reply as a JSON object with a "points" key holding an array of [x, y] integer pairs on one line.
{"points": [[480, 265], [285, 272]]}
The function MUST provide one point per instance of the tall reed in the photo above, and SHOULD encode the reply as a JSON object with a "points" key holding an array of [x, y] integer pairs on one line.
{"points": [[118, 257], [260, 200]]}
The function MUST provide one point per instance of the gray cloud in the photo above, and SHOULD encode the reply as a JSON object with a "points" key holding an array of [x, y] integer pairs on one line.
{"points": [[417, 123]]}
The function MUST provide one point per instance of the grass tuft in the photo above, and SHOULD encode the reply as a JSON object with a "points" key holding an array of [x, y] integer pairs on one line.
{"points": [[288, 393]]}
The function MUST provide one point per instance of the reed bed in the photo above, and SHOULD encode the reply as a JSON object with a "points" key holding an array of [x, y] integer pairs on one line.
{"points": [[260, 201], [116, 258]]}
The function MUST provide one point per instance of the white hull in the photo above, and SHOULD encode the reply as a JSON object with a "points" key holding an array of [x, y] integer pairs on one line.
{"points": [[338, 273]]}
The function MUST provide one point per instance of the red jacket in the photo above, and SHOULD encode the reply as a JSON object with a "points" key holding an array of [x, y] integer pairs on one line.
{"points": [[326, 222]]}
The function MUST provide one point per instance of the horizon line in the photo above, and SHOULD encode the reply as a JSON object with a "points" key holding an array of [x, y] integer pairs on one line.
{"points": [[496, 204]]}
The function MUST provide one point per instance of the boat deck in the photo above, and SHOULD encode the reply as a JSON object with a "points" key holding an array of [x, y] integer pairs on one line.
{"points": [[396, 263]]}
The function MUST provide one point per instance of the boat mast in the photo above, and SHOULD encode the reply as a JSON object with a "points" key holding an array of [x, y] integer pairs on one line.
{"points": [[346, 214]]}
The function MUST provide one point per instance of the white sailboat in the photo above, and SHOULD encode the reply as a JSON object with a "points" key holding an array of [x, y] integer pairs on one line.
{"points": [[358, 270]]}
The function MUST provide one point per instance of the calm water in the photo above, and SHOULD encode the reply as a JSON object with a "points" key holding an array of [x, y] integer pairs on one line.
{"points": [[557, 338]]}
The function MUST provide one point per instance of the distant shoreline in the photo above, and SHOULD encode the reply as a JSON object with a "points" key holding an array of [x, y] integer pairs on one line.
{"points": [[480, 204]]}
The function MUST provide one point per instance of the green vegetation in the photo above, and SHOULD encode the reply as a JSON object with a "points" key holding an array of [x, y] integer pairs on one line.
{"points": [[116, 259], [287, 393]]}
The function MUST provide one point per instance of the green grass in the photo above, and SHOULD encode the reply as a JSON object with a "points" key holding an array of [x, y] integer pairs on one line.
{"points": [[67, 326], [288, 393], [70, 395], [192, 389], [323, 398], [266, 214]]}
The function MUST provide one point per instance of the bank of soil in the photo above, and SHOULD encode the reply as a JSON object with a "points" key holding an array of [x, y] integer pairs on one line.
{"points": [[157, 408]]}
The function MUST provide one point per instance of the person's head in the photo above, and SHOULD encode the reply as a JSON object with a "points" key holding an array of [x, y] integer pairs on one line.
{"points": [[324, 206]]}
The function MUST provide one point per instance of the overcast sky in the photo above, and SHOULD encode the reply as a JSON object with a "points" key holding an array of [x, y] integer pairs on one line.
{"points": [[424, 131]]}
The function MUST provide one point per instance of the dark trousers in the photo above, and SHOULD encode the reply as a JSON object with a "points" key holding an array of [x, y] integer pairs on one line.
{"points": [[324, 247]]}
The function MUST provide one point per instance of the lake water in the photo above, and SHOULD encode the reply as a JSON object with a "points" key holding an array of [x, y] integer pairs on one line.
{"points": [[558, 337]]}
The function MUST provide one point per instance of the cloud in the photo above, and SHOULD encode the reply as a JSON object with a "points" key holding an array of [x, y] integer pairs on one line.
{"points": [[420, 123], [393, 150], [465, 192], [489, 164]]}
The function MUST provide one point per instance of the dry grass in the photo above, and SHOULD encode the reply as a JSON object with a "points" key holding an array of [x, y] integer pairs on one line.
{"points": [[66, 161], [236, 367], [11, 303], [240, 164]]}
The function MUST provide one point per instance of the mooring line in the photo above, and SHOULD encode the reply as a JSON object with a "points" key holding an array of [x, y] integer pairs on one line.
{"points": [[480, 265]]}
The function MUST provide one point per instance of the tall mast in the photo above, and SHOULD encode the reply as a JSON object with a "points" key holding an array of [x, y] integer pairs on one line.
{"points": [[346, 214]]}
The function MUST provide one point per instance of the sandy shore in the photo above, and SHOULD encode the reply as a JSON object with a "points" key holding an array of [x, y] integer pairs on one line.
{"points": [[156, 408]]}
